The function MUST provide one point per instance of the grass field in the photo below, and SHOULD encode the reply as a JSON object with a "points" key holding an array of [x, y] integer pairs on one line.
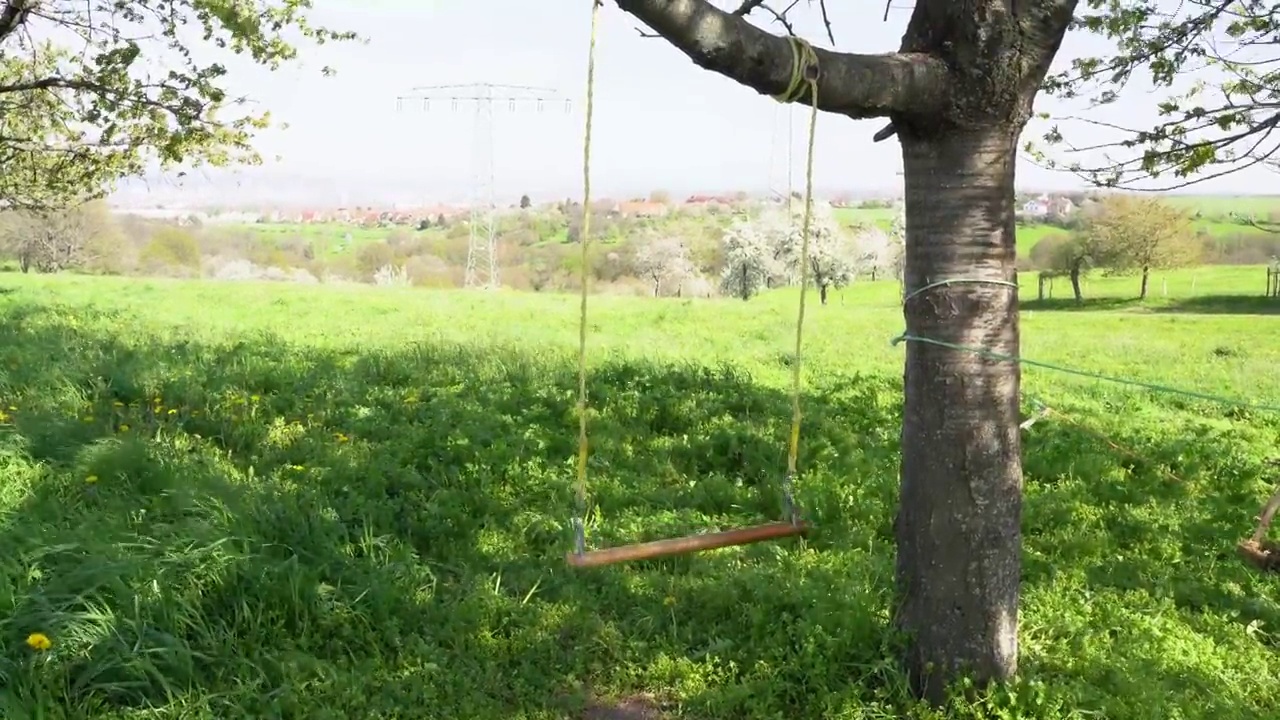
{"points": [[267, 501]]}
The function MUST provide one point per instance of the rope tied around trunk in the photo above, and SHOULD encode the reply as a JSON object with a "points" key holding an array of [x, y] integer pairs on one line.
{"points": [[988, 354]]}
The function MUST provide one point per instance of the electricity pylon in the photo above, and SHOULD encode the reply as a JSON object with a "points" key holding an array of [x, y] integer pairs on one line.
{"points": [[776, 192], [482, 247]]}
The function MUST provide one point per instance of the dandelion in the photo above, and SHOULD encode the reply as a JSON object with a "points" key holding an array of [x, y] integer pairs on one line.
{"points": [[91, 479], [118, 404], [255, 398], [173, 411], [340, 437], [124, 428], [39, 641]]}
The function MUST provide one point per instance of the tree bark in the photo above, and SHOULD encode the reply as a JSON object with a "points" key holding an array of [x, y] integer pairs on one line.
{"points": [[1075, 281], [1146, 280], [958, 524], [822, 293]]}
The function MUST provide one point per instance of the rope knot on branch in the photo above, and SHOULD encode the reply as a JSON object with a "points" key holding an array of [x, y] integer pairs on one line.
{"points": [[804, 72]]}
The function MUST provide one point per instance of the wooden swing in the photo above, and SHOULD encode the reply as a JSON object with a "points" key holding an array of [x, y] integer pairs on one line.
{"points": [[804, 75]]}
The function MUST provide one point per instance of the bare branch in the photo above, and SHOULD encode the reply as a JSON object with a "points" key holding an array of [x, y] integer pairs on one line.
{"points": [[781, 17], [859, 86], [826, 20]]}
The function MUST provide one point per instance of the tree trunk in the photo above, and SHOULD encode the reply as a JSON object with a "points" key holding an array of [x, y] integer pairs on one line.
{"points": [[1146, 279], [822, 293], [1075, 281], [958, 524]]}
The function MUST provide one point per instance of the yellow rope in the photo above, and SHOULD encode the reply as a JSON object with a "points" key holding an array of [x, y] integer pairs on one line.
{"points": [[583, 238], [804, 70]]}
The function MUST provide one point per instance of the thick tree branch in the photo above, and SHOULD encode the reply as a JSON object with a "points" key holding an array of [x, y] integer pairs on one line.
{"points": [[859, 86], [13, 13]]}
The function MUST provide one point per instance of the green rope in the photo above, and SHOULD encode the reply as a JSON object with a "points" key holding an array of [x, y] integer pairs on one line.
{"points": [[955, 281], [1002, 357]]}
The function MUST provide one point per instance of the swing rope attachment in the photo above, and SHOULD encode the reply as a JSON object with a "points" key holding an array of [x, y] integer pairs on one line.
{"points": [[1257, 550], [804, 75]]}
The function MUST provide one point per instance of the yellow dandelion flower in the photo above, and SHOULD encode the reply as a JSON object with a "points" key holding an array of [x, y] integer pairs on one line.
{"points": [[173, 411], [340, 437], [296, 467], [91, 479], [255, 398], [124, 428], [118, 404], [39, 641]]}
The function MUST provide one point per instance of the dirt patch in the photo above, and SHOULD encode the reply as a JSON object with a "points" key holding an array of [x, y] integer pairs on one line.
{"points": [[1264, 555], [638, 707]]}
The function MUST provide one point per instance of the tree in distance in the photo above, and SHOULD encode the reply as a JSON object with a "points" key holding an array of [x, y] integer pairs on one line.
{"points": [[126, 92], [1130, 234]]}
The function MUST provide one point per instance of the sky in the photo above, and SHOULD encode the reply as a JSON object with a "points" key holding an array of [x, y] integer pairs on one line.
{"points": [[660, 122]]}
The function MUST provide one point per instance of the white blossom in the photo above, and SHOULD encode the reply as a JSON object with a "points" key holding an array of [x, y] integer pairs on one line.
{"points": [[749, 257], [664, 260]]}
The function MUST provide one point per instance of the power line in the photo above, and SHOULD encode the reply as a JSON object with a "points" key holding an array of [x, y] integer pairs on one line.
{"points": [[484, 98]]}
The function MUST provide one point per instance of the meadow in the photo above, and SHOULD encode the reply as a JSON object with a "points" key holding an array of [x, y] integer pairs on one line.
{"points": [[251, 500]]}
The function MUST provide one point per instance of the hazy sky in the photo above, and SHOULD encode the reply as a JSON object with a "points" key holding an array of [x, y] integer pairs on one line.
{"points": [[660, 121]]}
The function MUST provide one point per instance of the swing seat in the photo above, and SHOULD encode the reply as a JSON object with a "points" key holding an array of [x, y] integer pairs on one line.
{"points": [[687, 544], [1257, 550]]}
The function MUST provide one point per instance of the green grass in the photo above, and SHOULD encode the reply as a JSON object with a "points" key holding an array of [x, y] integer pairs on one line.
{"points": [[328, 239], [1214, 207], [1224, 204], [354, 502]]}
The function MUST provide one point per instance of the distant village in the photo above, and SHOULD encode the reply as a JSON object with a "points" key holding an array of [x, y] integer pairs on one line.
{"points": [[1032, 208]]}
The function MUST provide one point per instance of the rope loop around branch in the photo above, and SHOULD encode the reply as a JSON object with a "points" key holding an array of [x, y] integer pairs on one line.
{"points": [[804, 71]]}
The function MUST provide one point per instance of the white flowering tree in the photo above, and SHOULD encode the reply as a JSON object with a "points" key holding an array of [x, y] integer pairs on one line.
{"points": [[664, 260], [749, 262], [879, 252], [835, 259], [898, 236]]}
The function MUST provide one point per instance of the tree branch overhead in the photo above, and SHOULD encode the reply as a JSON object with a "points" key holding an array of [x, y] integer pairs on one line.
{"points": [[855, 85]]}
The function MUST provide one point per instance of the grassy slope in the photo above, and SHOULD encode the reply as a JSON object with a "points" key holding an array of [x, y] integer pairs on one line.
{"points": [[347, 502]]}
